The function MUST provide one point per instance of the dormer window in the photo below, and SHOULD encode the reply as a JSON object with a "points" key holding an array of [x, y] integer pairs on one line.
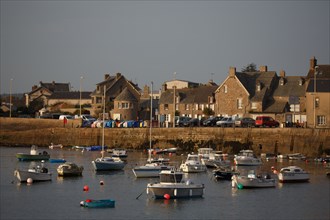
{"points": [[300, 82], [258, 86], [281, 82]]}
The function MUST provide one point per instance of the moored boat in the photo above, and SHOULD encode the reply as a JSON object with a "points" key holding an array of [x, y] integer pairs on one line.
{"points": [[246, 158], [52, 146], [252, 181], [98, 203], [193, 164], [69, 169], [39, 173], [33, 155], [172, 186], [121, 153], [293, 174], [224, 173], [150, 170], [108, 163]]}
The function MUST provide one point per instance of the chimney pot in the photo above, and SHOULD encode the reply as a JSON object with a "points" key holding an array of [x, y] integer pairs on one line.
{"points": [[263, 69]]}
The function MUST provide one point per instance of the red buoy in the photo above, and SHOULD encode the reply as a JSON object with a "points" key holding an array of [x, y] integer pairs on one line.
{"points": [[167, 196], [86, 188]]}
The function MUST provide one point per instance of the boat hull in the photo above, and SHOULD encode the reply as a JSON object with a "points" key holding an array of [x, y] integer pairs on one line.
{"points": [[223, 175], [293, 177], [101, 166], [28, 157], [102, 203], [146, 171], [246, 182], [23, 176], [180, 190], [247, 162], [193, 168]]}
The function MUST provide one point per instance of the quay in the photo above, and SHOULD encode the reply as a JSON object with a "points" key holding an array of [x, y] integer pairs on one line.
{"points": [[43, 132]]}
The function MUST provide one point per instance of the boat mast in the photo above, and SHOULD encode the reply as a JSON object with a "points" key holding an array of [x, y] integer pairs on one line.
{"points": [[150, 115], [103, 125]]}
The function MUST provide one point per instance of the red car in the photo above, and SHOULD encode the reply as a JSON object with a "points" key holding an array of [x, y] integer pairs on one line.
{"points": [[266, 121]]}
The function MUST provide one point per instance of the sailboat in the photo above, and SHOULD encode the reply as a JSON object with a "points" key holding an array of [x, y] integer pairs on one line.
{"points": [[107, 163], [153, 167]]}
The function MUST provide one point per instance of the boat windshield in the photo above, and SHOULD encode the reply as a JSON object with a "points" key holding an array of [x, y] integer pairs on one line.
{"points": [[171, 178]]}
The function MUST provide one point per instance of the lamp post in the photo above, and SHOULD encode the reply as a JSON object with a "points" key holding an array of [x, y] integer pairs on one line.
{"points": [[10, 98], [81, 78], [315, 73]]}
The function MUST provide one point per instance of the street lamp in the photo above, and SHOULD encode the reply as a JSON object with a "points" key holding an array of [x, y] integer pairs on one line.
{"points": [[81, 78], [11, 80], [315, 73]]}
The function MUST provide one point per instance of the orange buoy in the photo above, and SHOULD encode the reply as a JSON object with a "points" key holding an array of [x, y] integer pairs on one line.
{"points": [[167, 196], [86, 188]]}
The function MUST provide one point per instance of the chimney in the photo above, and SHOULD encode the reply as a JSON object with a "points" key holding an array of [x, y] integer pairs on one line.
{"points": [[146, 92], [118, 75], [282, 74], [164, 87], [312, 63], [34, 87], [263, 69], [106, 76], [232, 71]]}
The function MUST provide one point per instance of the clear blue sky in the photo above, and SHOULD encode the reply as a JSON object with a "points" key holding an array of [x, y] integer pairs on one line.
{"points": [[150, 40]]}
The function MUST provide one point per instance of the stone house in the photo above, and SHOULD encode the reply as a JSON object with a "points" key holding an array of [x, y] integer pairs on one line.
{"points": [[189, 102], [318, 95], [126, 107], [244, 94], [44, 90]]}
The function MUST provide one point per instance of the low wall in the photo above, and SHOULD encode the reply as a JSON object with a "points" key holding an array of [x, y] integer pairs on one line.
{"points": [[42, 132]]}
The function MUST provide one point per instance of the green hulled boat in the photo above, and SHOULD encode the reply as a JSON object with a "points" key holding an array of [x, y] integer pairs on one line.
{"points": [[33, 155]]}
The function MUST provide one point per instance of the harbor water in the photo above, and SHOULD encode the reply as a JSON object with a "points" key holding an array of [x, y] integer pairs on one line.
{"points": [[60, 198]]}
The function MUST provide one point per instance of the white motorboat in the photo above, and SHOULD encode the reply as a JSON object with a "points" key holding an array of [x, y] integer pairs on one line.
{"points": [[39, 173], [172, 186], [246, 158], [193, 164], [121, 153], [52, 146], [69, 169], [212, 159], [293, 174], [252, 181], [296, 156]]}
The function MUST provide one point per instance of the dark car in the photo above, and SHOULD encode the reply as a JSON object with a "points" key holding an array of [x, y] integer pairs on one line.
{"points": [[245, 122], [210, 122], [180, 120], [266, 121], [193, 122]]}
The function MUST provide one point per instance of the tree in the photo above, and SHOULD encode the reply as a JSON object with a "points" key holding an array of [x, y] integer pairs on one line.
{"points": [[208, 112], [250, 68]]}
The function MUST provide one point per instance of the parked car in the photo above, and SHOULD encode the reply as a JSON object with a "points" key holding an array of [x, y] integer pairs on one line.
{"points": [[226, 122], [266, 121], [245, 122], [180, 120], [86, 117], [67, 117], [211, 121], [193, 122]]}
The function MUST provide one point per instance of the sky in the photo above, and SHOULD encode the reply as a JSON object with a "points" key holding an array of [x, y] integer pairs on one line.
{"points": [[77, 42]]}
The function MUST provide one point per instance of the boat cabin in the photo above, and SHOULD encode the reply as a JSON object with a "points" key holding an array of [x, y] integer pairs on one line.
{"points": [[170, 176]]}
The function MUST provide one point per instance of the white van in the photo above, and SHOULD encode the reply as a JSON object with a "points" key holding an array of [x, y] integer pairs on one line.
{"points": [[67, 117]]}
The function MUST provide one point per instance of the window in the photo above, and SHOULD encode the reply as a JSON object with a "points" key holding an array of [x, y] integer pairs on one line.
{"points": [[258, 87], [239, 103], [211, 99], [225, 89], [177, 107], [125, 105], [186, 107], [253, 105], [321, 120], [317, 102], [165, 106]]}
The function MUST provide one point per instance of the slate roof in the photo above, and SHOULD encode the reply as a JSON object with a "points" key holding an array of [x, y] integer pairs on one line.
{"points": [[249, 81], [188, 95], [291, 87], [70, 95], [125, 95], [322, 79], [323, 69], [276, 107], [56, 87]]}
